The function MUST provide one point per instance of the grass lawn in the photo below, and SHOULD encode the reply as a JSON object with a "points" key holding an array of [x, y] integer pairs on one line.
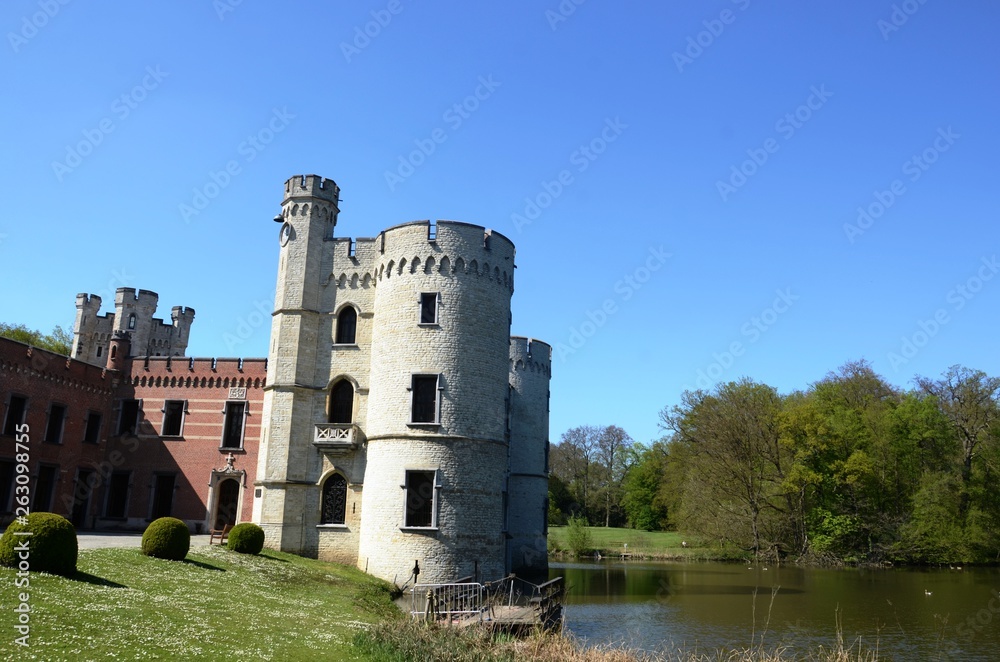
{"points": [[611, 541], [215, 605]]}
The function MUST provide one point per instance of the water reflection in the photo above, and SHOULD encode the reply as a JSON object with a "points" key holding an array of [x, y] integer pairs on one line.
{"points": [[908, 613]]}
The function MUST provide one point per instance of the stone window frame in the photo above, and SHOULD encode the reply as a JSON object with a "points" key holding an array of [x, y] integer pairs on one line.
{"points": [[91, 415], [183, 415], [243, 425], [9, 426], [435, 498], [421, 300], [60, 433], [439, 389], [347, 492], [109, 493], [138, 417], [337, 330]]}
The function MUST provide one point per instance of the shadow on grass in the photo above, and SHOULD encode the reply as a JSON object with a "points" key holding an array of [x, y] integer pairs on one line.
{"points": [[88, 578], [265, 555], [204, 566]]}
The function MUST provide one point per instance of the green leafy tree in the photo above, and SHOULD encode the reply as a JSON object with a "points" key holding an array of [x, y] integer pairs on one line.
{"points": [[59, 341]]}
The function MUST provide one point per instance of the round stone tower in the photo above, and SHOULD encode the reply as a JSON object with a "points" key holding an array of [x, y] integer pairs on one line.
{"points": [[528, 484], [436, 428]]}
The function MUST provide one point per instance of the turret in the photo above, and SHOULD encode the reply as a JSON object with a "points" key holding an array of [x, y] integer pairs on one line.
{"points": [[181, 317], [134, 313], [87, 307], [119, 350]]}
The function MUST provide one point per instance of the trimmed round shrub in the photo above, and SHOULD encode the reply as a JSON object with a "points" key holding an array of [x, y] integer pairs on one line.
{"points": [[246, 538], [166, 538], [52, 544]]}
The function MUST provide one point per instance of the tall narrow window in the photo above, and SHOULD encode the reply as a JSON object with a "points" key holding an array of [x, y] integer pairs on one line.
{"points": [[425, 401], [16, 407], [6, 485], [232, 428], [163, 496], [347, 326], [44, 486], [342, 402], [100, 350], [131, 321], [173, 418], [128, 417], [334, 509], [421, 498], [428, 308], [118, 487], [92, 433], [54, 424]]}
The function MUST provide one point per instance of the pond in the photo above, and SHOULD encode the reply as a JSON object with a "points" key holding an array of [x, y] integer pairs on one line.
{"points": [[907, 613]]}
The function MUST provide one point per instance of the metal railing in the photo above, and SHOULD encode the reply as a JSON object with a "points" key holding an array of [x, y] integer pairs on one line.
{"points": [[447, 601]]}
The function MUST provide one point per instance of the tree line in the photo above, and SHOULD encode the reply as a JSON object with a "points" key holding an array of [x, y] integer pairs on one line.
{"points": [[851, 469]]}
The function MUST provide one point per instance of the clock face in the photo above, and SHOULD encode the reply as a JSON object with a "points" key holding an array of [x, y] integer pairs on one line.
{"points": [[285, 234]]}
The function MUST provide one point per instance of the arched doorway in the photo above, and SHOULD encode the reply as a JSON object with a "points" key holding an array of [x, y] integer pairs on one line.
{"points": [[227, 502]]}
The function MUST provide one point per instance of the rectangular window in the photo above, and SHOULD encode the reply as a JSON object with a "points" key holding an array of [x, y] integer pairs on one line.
{"points": [[92, 433], [163, 496], [6, 485], [100, 350], [428, 308], [54, 424], [44, 486], [173, 418], [128, 417], [16, 408], [421, 497], [117, 504], [232, 426], [425, 400]]}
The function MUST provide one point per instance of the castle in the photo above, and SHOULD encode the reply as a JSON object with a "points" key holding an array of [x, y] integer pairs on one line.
{"points": [[395, 423]]}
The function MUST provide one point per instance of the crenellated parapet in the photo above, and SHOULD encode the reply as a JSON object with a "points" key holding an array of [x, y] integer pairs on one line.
{"points": [[530, 355]]}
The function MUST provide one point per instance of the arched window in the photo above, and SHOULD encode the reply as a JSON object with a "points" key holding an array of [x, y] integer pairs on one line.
{"points": [[342, 402], [131, 321], [347, 325], [334, 506]]}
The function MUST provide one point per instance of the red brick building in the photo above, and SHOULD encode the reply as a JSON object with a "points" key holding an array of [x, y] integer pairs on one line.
{"points": [[141, 438]]}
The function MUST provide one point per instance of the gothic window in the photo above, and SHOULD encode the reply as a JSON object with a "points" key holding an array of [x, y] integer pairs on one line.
{"points": [[428, 308], [232, 426], [173, 418], [131, 321], [424, 407], [342, 402], [421, 500], [347, 324], [334, 508]]}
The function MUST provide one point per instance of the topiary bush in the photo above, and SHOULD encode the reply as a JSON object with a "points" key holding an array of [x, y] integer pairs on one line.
{"points": [[52, 545], [246, 538], [166, 538]]}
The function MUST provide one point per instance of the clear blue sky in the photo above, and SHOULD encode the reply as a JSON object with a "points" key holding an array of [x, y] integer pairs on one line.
{"points": [[823, 106]]}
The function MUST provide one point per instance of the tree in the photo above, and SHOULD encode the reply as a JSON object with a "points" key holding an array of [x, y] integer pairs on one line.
{"points": [[646, 487], [59, 341], [613, 445], [573, 460]]}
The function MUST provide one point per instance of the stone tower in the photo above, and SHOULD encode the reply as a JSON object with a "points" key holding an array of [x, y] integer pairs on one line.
{"points": [[387, 437]]}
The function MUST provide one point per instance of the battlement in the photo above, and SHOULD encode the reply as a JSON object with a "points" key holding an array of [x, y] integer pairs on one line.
{"points": [[530, 354], [182, 312], [90, 301], [184, 366], [125, 295], [312, 186]]}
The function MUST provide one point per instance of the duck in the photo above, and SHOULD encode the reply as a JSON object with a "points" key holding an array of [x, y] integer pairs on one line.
{"points": [[926, 592]]}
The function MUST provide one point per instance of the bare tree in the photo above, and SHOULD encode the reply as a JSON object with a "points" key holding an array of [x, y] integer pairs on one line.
{"points": [[613, 445]]}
